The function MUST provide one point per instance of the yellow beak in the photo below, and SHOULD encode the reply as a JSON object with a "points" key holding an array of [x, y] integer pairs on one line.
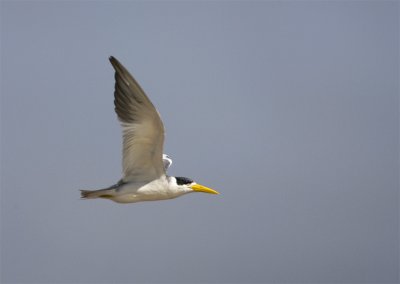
{"points": [[202, 188]]}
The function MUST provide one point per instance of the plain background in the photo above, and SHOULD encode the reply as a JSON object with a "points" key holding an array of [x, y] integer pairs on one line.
{"points": [[289, 109]]}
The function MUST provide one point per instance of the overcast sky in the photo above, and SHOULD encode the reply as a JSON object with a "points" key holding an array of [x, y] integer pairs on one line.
{"points": [[289, 109]]}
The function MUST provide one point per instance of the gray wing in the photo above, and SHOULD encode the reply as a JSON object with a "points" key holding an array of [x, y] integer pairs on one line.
{"points": [[143, 130], [167, 161]]}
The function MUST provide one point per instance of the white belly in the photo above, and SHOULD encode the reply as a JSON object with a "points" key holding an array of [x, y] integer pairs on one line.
{"points": [[135, 192]]}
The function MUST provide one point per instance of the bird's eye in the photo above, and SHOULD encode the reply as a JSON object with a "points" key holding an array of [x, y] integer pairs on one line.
{"points": [[183, 180]]}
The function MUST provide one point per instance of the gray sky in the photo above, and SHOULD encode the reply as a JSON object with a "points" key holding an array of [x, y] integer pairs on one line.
{"points": [[289, 109]]}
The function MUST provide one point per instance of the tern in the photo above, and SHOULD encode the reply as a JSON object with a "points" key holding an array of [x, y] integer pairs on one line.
{"points": [[144, 164]]}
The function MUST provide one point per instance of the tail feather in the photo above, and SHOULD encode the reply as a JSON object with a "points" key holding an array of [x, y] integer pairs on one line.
{"points": [[101, 193]]}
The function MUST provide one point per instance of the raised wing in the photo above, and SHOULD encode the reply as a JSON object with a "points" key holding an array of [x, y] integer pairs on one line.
{"points": [[143, 130], [167, 161]]}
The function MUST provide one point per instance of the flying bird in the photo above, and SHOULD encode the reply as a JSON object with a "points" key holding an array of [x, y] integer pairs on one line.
{"points": [[143, 162]]}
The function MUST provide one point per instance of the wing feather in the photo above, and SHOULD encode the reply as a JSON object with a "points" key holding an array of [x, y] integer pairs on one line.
{"points": [[142, 127]]}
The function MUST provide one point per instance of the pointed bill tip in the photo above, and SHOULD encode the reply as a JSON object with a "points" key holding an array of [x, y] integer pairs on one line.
{"points": [[201, 188]]}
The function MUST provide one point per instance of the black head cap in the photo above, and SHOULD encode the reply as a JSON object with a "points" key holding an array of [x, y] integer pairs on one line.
{"points": [[183, 180]]}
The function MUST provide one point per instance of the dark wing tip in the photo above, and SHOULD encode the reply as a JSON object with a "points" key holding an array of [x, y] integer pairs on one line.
{"points": [[115, 63], [121, 71], [128, 95]]}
